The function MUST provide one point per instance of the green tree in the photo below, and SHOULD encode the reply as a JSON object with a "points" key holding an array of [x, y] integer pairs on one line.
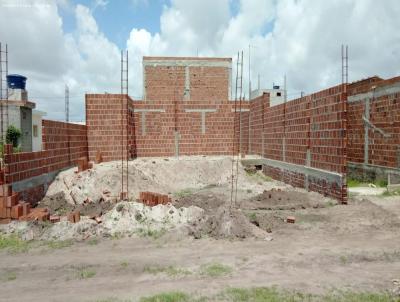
{"points": [[13, 135]]}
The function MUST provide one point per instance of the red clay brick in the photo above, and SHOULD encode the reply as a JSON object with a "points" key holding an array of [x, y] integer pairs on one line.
{"points": [[16, 211], [291, 219]]}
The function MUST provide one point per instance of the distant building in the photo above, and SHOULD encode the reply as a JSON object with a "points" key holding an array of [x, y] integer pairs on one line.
{"points": [[17, 111], [276, 95]]}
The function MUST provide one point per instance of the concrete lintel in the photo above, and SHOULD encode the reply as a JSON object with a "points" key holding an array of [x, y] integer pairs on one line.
{"points": [[243, 110], [189, 63], [200, 110], [380, 91], [330, 177], [149, 110]]}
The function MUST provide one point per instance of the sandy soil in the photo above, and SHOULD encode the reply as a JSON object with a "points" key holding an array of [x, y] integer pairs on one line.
{"points": [[354, 246]]}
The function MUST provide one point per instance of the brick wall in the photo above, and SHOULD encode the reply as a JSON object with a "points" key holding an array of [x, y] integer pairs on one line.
{"points": [[309, 131], [63, 143], [383, 128], [258, 107], [186, 111], [156, 128]]}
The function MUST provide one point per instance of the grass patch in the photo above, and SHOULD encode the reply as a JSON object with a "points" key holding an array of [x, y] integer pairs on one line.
{"points": [[93, 241], [215, 270], [112, 300], [259, 176], [352, 183], [380, 183], [9, 276], [59, 244], [271, 294], [85, 273], [174, 296], [184, 193], [124, 264], [155, 234], [389, 194], [171, 271], [252, 216], [13, 244]]}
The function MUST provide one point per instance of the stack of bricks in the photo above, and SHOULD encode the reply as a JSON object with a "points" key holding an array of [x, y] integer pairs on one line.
{"points": [[152, 199], [37, 214], [11, 207]]}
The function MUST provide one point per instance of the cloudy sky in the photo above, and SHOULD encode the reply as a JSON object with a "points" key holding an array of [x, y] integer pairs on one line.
{"points": [[78, 42]]}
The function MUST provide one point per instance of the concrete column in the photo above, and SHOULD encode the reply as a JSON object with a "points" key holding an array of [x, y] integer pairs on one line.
{"points": [[203, 116], [186, 93], [366, 128]]}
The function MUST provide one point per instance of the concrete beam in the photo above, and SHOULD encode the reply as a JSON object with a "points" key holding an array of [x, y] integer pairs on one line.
{"points": [[243, 110], [143, 112], [330, 177], [189, 63], [43, 179], [374, 167], [378, 92]]}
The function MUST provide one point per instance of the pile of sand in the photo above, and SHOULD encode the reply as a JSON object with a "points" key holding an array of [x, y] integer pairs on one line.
{"points": [[161, 175]]}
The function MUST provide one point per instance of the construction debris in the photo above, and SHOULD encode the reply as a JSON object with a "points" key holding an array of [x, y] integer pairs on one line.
{"points": [[153, 199], [290, 219]]}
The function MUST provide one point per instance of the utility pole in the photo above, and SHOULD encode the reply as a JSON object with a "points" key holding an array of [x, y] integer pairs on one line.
{"points": [[249, 73], [66, 103]]}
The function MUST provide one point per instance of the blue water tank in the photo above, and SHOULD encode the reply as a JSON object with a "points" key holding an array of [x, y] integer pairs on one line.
{"points": [[16, 81]]}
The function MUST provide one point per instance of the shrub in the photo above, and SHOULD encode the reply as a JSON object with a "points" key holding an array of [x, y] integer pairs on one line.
{"points": [[13, 135]]}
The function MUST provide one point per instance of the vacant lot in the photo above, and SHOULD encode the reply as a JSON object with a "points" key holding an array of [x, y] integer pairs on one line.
{"points": [[331, 253]]}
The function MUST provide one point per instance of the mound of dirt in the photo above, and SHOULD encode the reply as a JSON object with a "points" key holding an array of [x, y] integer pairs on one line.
{"points": [[220, 220], [283, 200], [226, 222], [56, 203], [59, 205], [208, 202]]}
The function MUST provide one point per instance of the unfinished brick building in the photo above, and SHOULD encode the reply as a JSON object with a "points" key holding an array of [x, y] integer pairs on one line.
{"points": [[187, 109]]}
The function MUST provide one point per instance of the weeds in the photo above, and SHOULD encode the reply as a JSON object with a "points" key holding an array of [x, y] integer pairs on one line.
{"points": [[266, 294], [387, 193], [381, 183], [93, 241], [171, 271], [215, 270], [184, 193], [124, 264], [59, 244], [155, 234], [84, 273], [13, 244], [168, 297], [9, 276]]}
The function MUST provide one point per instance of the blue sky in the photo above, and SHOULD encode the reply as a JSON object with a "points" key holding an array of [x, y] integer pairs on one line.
{"points": [[297, 38], [116, 18]]}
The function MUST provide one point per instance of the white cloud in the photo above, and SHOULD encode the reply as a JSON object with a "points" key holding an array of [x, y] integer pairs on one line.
{"points": [[301, 38]]}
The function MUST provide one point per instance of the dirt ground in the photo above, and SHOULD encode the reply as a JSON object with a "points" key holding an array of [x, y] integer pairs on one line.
{"points": [[330, 246]]}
